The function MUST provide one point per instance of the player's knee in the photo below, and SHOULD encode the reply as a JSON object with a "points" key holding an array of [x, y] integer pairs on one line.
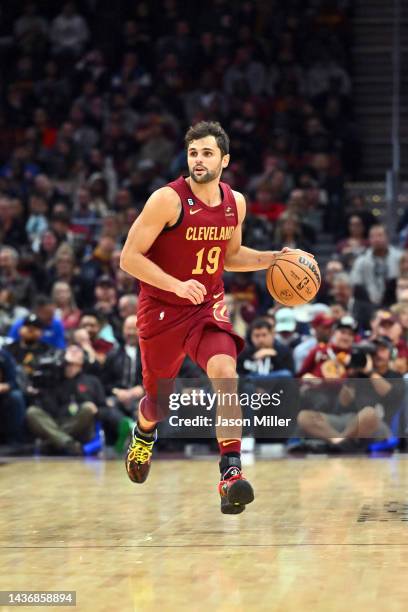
{"points": [[153, 409], [218, 367]]}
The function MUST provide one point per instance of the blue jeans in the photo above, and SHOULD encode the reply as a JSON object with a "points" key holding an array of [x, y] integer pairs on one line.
{"points": [[12, 415]]}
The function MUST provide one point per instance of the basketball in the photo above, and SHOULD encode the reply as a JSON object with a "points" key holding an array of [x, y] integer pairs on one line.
{"points": [[293, 278]]}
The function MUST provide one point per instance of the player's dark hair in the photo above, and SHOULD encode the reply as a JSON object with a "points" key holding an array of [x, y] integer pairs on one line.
{"points": [[261, 323], [208, 128]]}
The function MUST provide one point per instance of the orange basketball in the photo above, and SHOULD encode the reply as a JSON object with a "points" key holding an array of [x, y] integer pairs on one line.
{"points": [[293, 278]]}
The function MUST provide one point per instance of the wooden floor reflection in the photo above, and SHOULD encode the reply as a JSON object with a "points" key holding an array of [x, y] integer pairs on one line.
{"points": [[322, 535]]}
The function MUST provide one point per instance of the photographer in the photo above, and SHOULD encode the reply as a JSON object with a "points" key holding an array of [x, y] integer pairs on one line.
{"points": [[322, 373], [64, 416], [371, 395], [366, 403], [29, 351]]}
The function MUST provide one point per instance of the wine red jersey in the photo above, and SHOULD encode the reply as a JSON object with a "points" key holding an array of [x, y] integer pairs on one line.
{"points": [[194, 248]]}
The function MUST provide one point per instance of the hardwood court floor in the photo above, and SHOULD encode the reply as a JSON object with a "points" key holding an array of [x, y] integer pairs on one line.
{"points": [[323, 535]]}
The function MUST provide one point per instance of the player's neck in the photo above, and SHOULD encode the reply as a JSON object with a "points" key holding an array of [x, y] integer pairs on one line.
{"points": [[209, 193]]}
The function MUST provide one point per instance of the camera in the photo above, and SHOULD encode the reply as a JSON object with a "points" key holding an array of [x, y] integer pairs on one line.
{"points": [[359, 355], [48, 371]]}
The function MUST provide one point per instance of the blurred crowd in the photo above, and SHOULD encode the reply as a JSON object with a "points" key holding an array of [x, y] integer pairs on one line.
{"points": [[95, 100]]}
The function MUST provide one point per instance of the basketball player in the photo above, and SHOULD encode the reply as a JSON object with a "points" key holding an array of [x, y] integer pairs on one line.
{"points": [[188, 233]]}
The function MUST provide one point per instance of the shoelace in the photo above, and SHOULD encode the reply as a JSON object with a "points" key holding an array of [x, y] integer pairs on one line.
{"points": [[141, 451]]}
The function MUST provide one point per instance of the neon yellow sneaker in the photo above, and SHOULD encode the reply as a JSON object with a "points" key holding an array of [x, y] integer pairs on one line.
{"points": [[139, 455]]}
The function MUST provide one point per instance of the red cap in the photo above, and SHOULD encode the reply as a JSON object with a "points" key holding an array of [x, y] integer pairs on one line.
{"points": [[323, 319]]}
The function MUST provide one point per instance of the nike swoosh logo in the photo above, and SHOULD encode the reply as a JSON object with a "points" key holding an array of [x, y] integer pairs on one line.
{"points": [[194, 212], [217, 295], [230, 442]]}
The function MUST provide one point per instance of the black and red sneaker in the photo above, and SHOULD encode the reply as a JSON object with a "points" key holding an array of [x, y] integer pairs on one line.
{"points": [[235, 491], [139, 455]]}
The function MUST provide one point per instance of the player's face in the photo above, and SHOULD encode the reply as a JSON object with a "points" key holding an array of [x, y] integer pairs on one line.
{"points": [[205, 160]]}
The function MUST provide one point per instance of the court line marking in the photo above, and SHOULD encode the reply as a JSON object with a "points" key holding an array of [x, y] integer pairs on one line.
{"points": [[372, 545]]}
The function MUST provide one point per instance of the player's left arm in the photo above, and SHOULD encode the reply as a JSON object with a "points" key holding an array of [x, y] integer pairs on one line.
{"points": [[239, 258]]}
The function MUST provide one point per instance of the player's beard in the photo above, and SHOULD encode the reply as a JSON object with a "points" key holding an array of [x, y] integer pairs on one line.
{"points": [[207, 177]]}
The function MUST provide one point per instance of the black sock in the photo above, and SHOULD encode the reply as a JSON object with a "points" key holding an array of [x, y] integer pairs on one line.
{"points": [[230, 465], [148, 436]]}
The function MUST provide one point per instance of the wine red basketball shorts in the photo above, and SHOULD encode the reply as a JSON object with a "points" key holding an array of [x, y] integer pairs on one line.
{"points": [[167, 333]]}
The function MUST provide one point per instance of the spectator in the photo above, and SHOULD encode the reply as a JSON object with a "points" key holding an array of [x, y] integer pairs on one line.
{"points": [[28, 349], [333, 267], [106, 304], [367, 403], [127, 306], [65, 416], [21, 287], [12, 404], [321, 374], [66, 309], [400, 310], [12, 232], [337, 311], [37, 223], [122, 371], [93, 323], [245, 74], [327, 362], [396, 289], [264, 205], [390, 327], [342, 293], [285, 328], [69, 32], [266, 358], [98, 264], [31, 31], [52, 92], [47, 250], [401, 290], [403, 265], [10, 312], [355, 243], [53, 331], [373, 271], [62, 267], [289, 233], [323, 326]]}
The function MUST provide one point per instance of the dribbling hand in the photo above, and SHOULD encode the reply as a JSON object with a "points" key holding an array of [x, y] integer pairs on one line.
{"points": [[289, 250], [191, 290]]}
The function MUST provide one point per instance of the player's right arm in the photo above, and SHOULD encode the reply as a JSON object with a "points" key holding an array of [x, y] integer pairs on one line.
{"points": [[162, 209]]}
